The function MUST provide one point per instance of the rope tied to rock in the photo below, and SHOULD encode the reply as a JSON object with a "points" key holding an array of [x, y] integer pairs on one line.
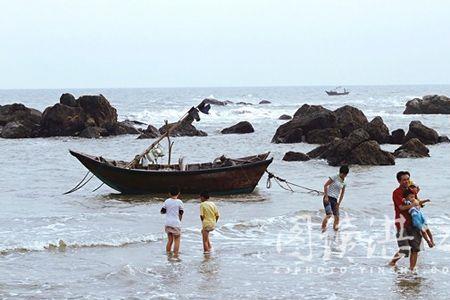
{"points": [[287, 185]]}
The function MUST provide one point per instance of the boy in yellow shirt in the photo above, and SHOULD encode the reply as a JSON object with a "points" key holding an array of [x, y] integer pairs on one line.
{"points": [[209, 214]]}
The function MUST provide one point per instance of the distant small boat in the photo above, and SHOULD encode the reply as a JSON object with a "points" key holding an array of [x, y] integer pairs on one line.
{"points": [[338, 91]]}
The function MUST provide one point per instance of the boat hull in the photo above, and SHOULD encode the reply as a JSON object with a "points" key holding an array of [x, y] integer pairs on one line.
{"points": [[224, 181], [331, 93]]}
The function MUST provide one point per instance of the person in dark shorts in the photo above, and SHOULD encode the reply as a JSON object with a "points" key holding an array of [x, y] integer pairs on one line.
{"points": [[408, 237], [333, 190]]}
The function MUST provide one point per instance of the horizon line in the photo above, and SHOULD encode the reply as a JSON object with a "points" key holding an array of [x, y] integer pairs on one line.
{"points": [[231, 86]]}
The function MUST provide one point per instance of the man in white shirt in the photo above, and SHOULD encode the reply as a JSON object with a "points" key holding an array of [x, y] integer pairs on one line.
{"points": [[173, 209]]}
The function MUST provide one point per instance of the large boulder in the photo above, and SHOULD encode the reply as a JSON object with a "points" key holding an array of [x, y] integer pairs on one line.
{"points": [[241, 127], [16, 130], [412, 148], [426, 135], [377, 130], [295, 156], [431, 104], [322, 136], [308, 117], [357, 148], [19, 121], [150, 133], [124, 127], [350, 118], [93, 132], [99, 110], [369, 153], [285, 117], [185, 129], [264, 102], [69, 100], [213, 101], [63, 120], [397, 137]]}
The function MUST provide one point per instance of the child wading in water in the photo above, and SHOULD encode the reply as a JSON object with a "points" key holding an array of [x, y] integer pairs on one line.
{"points": [[209, 215], [173, 208], [333, 190], [417, 217]]}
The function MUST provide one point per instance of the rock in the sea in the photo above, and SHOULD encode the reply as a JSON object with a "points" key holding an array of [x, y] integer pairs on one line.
{"points": [[63, 120], [350, 118], [185, 129], [244, 103], [412, 148], [19, 121], [124, 127], [241, 127], [99, 109], [285, 117], [426, 135], [431, 104], [308, 117], [444, 139], [354, 149], [322, 136], [16, 130], [295, 156], [264, 102], [69, 100], [378, 131], [150, 133], [370, 153], [93, 132], [397, 137], [213, 101]]}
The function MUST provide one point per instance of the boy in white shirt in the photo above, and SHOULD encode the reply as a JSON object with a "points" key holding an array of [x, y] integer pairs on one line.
{"points": [[173, 209], [334, 190]]}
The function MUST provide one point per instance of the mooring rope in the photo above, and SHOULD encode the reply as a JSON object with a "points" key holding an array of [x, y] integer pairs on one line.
{"points": [[288, 185], [80, 184]]}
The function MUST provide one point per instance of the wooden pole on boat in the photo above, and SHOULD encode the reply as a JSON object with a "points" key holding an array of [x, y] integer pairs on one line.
{"points": [[138, 157]]}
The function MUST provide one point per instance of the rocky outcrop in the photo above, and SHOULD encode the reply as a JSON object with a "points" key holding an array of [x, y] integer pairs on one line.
{"points": [[124, 127], [426, 135], [264, 102], [213, 101], [63, 120], [150, 133], [240, 128], [444, 139], [377, 130], [99, 110], [244, 103], [295, 156], [285, 117], [69, 100], [93, 132], [322, 136], [357, 148], [397, 137], [431, 104], [349, 118], [19, 121], [412, 149], [307, 118], [185, 129]]}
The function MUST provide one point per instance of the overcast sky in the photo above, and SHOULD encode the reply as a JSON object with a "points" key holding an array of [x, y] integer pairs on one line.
{"points": [[108, 43]]}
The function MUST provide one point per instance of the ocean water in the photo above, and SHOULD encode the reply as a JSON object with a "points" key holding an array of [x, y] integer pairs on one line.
{"points": [[267, 245]]}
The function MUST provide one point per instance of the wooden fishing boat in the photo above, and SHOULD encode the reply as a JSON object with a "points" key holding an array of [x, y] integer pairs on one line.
{"points": [[223, 176], [338, 91]]}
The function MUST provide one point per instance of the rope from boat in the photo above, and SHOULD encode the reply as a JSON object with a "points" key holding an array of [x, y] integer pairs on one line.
{"points": [[288, 185], [80, 184], [98, 187]]}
